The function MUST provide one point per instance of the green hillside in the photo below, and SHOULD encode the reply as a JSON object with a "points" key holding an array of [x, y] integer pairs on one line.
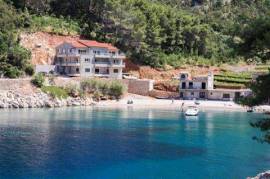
{"points": [[156, 32]]}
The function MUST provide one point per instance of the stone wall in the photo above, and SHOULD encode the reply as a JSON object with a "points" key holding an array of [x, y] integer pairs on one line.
{"points": [[141, 87], [22, 84], [65, 81], [135, 86]]}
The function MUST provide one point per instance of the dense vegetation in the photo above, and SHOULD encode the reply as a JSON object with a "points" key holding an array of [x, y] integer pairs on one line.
{"points": [[101, 88], [159, 32], [14, 59], [261, 95]]}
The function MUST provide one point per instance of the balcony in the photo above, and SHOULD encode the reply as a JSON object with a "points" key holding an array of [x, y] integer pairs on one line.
{"points": [[102, 64], [109, 55], [69, 54], [108, 64], [120, 65], [120, 55], [68, 63], [194, 88]]}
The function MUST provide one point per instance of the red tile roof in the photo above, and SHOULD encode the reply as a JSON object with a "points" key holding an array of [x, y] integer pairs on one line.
{"points": [[78, 45], [92, 43]]}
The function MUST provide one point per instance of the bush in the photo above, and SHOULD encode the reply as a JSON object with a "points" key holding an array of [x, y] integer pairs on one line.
{"points": [[73, 90], [54, 25], [103, 88], [117, 89], [90, 85], [29, 70], [12, 72], [55, 92], [38, 80]]}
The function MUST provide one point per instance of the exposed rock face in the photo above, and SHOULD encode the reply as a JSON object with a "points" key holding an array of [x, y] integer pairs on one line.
{"points": [[265, 175], [13, 99], [42, 46]]}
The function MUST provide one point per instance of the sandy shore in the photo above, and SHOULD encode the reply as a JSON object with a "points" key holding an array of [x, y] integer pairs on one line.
{"points": [[148, 102]]}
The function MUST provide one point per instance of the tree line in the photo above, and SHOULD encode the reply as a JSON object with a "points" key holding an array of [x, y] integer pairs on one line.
{"points": [[162, 32]]}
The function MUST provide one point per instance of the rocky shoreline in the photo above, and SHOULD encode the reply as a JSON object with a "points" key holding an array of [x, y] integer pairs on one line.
{"points": [[264, 175], [11, 99]]}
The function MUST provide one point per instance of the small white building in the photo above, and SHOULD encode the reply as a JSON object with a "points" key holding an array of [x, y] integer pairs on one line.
{"points": [[88, 58], [195, 87], [202, 87]]}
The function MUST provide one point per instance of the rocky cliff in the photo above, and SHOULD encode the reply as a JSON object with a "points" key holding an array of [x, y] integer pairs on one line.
{"points": [[42, 45]]}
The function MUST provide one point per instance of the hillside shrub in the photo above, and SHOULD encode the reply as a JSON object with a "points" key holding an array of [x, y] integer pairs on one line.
{"points": [[29, 70], [90, 85], [12, 72], [61, 25], [38, 80], [104, 88], [73, 90], [55, 92], [117, 89]]}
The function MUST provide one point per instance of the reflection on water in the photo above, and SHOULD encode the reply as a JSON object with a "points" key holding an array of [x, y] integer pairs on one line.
{"points": [[75, 142]]}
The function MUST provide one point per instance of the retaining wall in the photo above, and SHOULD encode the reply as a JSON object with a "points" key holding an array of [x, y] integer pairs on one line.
{"points": [[141, 87], [135, 86], [22, 84]]}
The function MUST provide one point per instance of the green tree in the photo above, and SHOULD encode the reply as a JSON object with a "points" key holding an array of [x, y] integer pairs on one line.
{"points": [[261, 95]]}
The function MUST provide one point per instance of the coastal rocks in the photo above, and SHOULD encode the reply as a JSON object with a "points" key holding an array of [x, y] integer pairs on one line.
{"points": [[11, 99], [265, 175]]}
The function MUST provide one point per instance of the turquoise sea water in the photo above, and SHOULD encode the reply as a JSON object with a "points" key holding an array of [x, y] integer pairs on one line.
{"points": [[129, 143]]}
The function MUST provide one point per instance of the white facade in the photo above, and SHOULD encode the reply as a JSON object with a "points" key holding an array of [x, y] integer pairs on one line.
{"points": [[202, 87], [78, 59]]}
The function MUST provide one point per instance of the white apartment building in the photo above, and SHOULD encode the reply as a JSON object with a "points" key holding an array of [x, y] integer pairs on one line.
{"points": [[88, 58]]}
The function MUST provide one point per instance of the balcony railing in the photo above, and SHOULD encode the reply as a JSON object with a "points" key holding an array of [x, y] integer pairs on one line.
{"points": [[67, 54], [109, 55], [109, 64], [68, 63]]}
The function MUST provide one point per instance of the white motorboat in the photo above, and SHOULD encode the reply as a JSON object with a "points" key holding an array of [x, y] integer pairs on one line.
{"points": [[192, 111]]}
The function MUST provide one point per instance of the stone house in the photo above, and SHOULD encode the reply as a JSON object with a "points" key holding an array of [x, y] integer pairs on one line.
{"points": [[202, 87]]}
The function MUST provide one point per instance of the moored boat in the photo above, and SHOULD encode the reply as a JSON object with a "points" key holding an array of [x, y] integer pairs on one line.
{"points": [[192, 111]]}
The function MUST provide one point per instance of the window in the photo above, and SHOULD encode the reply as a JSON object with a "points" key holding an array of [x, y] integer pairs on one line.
{"points": [[87, 70], [97, 71], [77, 70], [190, 84], [87, 60], [115, 70], [82, 51], [202, 95], [237, 95], [183, 85], [192, 93], [183, 76], [226, 96], [203, 85]]}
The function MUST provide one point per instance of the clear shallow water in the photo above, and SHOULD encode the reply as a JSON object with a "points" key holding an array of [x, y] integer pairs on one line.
{"points": [[107, 143]]}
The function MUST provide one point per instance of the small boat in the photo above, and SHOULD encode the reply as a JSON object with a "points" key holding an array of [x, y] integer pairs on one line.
{"points": [[250, 110], [197, 102], [130, 101], [192, 111]]}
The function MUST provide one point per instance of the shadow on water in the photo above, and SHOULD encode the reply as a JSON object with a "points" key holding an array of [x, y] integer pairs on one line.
{"points": [[37, 152]]}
